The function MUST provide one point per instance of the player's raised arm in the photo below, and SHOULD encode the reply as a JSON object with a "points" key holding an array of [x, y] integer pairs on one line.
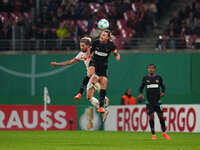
{"points": [[70, 62]]}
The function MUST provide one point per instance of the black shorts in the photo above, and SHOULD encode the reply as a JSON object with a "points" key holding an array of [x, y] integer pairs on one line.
{"points": [[101, 69], [153, 108]]}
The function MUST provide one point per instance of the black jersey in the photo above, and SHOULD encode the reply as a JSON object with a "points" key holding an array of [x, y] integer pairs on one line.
{"points": [[153, 85], [102, 51]]}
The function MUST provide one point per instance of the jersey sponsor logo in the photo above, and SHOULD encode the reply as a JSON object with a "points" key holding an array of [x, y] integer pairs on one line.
{"points": [[152, 86], [157, 81], [101, 54]]}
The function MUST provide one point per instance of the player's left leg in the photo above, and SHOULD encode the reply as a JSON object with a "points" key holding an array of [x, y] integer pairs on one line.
{"points": [[90, 73], [90, 95], [91, 89], [103, 83], [98, 88], [106, 101], [152, 126], [91, 98], [162, 123], [83, 86]]}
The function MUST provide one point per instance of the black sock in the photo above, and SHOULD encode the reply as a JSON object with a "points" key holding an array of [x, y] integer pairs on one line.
{"points": [[102, 97], [162, 122], [151, 122], [84, 84]]}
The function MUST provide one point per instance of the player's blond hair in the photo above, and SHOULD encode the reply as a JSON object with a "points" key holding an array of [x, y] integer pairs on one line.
{"points": [[86, 40]]}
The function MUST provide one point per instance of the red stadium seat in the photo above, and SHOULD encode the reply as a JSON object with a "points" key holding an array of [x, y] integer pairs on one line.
{"points": [[94, 7], [27, 15], [83, 24], [138, 4], [3, 17], [121, 24], [133, 6], [108, 6], [128, 14], [15, 16], [126, 33], [119, 42]]}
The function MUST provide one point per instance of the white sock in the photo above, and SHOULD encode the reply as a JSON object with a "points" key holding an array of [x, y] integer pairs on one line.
{"points": [[94, 102], [106, 98]]}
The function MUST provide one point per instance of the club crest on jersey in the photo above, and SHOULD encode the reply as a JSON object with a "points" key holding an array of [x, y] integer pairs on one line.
{"points": [[148, 81], [157, 81]]}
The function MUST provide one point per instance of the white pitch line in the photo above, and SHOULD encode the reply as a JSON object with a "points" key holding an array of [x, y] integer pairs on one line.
{"points": [[33, 74], [25, 75], [33, 65]]}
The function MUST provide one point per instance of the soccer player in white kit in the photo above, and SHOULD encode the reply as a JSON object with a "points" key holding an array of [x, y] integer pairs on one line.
{"points": [[85, 56]]}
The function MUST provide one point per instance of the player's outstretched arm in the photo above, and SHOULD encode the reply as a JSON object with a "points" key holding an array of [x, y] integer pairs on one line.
{"points": [[70, 62]]}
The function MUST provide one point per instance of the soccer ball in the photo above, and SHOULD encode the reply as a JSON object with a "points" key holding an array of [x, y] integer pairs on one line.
{"points": [[103, 24]]}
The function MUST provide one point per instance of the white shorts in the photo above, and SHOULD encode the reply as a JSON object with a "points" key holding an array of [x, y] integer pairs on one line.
{"points": [[90, 85]]}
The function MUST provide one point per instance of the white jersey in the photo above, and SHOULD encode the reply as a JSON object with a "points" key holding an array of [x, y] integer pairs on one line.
{"points": [[85, 57]]}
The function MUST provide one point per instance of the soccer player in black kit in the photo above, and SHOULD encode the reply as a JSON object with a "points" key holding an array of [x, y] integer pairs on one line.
{"points": [[101, 49], [153, 84]]}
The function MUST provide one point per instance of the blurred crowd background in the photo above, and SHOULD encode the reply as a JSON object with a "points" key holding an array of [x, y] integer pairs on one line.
{"points": [[59, 24]]}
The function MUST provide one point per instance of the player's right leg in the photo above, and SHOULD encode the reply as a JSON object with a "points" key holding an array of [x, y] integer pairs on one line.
{"points": [[91, 90], [98, 88], [91, 98], [162, 123], [150, 112], [90, 73], [152, 126], [103, 83], [83, 86]]}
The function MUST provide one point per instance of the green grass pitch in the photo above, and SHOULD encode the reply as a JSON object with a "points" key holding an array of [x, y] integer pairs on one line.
{"points": [[95, 140]]}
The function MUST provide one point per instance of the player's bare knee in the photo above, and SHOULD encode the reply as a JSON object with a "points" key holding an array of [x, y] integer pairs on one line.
{"points": [[91, 71], [89, 96], [94, 80], [103, 85], [103, 82], [90, 93]]}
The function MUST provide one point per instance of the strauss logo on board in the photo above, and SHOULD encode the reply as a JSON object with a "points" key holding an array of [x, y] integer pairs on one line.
{"points": [[25, 117]]}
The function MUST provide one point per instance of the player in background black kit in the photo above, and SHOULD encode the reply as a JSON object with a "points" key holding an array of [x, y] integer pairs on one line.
{"points": [[153, 83], [101, 49]]}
